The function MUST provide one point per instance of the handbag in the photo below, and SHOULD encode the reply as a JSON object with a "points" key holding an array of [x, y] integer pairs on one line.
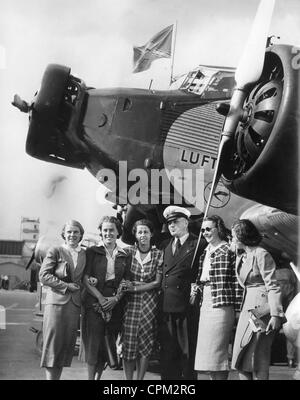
{"points": [[106, 315], [62, 271], [260, 317]]}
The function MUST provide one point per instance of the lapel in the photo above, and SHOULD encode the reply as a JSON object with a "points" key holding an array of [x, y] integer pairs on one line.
{"points": [[102, 261], [246, 268], [119, 264], [67, 257], [187, 247], [238, 266], [75, 272], [80, 265]]}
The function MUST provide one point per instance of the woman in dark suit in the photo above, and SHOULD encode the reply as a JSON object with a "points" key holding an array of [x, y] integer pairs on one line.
{"points": [[106, 266], [256, 273], [61, 271]]}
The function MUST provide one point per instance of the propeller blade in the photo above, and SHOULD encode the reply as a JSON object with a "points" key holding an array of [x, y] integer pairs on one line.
{"points": [[248, 72], [251, 63]]}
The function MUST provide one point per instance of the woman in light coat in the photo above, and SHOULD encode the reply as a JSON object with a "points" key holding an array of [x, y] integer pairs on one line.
{"points": [[254, 335], [61, 271]]}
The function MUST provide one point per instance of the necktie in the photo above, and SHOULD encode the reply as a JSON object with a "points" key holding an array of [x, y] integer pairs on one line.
{"points": [[177, 247]]}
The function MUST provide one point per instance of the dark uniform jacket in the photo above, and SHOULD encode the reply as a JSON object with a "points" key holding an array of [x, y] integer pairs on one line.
{"points": [[178, 275]]}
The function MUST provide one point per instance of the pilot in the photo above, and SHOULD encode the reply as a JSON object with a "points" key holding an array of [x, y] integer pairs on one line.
{"points": [[178, 328]]}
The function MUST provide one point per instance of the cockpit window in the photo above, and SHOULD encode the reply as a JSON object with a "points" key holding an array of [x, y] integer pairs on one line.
{"points": [[221, 83], [210, 83]]}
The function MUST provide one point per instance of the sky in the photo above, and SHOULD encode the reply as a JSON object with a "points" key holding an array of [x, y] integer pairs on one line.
{"points": [[95, 38]]}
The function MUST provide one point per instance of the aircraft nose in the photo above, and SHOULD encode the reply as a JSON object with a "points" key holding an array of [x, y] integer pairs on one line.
{"points": [[54, 119]]}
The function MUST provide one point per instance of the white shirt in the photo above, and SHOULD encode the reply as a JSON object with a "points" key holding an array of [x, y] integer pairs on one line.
{"points": [[110, 271], [206, 262], [73, 252], [205, 268], [182, 240]]}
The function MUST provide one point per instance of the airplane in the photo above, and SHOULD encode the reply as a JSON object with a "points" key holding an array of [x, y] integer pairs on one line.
{"points": [[237, 127]]}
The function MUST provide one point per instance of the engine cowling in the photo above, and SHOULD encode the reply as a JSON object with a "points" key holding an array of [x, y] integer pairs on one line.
{"points": [[263, 163]]}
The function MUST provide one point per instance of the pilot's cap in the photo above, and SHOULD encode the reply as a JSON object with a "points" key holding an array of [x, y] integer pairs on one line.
{"points": [[173, 212]]}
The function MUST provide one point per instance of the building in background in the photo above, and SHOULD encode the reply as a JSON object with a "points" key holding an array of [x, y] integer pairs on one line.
{"points": [[15, 254], [30, 229]]}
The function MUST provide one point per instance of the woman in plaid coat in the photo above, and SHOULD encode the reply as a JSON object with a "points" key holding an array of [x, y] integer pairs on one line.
{"points": [[140, 317], [222, 296]]}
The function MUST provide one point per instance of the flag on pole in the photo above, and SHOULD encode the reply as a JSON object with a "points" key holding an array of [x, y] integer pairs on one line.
{"points": [[159, 46]]}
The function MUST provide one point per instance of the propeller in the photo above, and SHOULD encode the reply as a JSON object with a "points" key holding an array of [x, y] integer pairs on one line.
{"points": [[248, 72]]}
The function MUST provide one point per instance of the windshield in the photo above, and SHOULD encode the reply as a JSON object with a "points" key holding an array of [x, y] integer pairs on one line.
{"points": [[210, 83]]}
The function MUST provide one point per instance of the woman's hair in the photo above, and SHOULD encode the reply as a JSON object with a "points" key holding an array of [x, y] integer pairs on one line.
{"points": [[145, 222], [246, 232], [112, 220], [220, 225], [72, 222]]}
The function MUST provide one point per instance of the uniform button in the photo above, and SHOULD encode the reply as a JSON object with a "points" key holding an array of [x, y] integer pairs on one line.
{"points": [[177, 287], [167, 275], [166, 286]]}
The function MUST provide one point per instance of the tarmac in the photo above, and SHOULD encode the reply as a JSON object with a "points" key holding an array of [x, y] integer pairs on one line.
{"points": [[78, 371], [19, 359]]}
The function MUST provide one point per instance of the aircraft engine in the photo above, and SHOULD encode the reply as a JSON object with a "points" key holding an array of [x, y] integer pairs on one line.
{"points": [[263, 162], [55, 114]]}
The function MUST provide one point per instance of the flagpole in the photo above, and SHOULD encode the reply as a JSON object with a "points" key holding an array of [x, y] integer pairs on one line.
{"points": [[173, 51]]}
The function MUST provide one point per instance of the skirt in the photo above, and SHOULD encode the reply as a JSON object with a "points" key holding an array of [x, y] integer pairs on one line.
{"points": [[251, 351], [214, 334], [95, 332], [60, 326]]}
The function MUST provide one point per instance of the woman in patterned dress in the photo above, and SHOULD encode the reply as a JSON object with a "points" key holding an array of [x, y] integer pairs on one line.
{"points": [[140, 318]]}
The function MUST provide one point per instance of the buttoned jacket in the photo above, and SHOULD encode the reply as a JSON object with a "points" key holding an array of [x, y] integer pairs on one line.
{"points": [[225, 288], [258, 269], [57, 291], [178, 276]]}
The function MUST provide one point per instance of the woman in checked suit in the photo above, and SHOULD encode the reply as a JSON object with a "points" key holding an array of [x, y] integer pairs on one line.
{"points": [[61, 271], [222, 296]]}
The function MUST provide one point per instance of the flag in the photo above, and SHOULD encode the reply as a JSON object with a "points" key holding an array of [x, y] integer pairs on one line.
{"points": [[159, 46]]}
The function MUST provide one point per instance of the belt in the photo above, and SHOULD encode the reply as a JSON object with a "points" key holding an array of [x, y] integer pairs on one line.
{"points": [[205, 283]]}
